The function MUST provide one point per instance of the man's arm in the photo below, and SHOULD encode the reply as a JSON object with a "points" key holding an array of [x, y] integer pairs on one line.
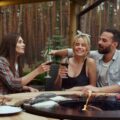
{"points": [[68, 52], [105, 89], [63, 52], [110, 89]]}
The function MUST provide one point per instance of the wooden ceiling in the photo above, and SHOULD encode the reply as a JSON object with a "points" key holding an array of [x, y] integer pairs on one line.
{"points": [[13, 2]]}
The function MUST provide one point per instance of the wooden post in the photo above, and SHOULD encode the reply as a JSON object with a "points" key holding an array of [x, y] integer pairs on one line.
{"points": [[72, 28], [75, 8]]}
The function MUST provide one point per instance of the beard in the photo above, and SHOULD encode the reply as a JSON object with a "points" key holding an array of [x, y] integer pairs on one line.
{"points": [[102, 50]]}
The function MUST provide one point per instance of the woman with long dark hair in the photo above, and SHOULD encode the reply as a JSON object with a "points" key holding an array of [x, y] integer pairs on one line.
{"points": [[12, 47]]}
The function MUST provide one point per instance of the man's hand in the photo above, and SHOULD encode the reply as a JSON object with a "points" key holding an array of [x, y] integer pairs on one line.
{"points": [[52, 52]]}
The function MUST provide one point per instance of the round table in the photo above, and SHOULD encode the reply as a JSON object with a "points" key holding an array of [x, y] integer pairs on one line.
{"points": [[61, 113]]}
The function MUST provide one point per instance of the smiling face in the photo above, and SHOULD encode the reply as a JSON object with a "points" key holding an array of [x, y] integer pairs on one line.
{"points": [[20, 46], [81, 46]]}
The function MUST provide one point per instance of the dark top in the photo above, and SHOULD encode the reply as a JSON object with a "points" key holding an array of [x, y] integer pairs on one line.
{"points": [[81, 80]]}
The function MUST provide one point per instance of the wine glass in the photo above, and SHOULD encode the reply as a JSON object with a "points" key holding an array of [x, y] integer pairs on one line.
{"points": [[49, 60], [64, 64]]}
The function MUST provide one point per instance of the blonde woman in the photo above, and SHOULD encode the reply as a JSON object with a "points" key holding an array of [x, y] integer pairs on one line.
{"points": [[81, 69]]}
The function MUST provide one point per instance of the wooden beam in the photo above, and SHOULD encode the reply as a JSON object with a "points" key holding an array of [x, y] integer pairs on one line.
{"points": [[13, 2], [95, 4]]}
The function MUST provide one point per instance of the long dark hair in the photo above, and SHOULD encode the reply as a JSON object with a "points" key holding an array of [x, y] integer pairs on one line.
{"points": [[8, 50]]}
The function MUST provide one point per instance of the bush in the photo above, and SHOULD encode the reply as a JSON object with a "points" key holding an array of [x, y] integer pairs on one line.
{"points": [[38, 80]]}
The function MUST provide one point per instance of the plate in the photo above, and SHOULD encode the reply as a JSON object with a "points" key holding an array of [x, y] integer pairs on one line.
{"points": [[8, 110]]}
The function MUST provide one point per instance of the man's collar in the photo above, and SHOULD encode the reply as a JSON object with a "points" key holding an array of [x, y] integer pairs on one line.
{"points": [[114, 56]]}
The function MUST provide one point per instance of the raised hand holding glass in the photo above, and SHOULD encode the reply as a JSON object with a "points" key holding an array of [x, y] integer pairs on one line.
{"points": [[64, 66], [49, 60]]}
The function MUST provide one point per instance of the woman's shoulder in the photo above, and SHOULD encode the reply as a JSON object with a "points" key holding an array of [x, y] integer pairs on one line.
{"points": [[90, 60], [3, 60]]}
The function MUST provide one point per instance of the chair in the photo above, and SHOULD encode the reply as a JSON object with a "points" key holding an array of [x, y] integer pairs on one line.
{"points": [[49, 85]]}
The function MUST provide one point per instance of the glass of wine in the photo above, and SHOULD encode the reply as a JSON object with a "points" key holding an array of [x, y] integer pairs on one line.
{"points": [[64, 64], [49, 60]]}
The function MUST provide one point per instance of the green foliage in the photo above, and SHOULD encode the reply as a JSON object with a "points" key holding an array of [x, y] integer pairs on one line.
{"points": [[38, 80], [59, 42]]}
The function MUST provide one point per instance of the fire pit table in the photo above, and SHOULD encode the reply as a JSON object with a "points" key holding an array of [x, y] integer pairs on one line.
{"points": [[99, 108]]}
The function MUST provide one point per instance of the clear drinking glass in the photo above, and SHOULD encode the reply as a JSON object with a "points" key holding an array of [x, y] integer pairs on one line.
{"points": [[64, 64], [49, 60]]}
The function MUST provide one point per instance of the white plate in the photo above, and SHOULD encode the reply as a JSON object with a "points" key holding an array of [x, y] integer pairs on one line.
{"points": [[7, 110]]}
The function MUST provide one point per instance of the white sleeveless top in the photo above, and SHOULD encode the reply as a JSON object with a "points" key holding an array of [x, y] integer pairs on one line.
{"points": [[104, 73]]}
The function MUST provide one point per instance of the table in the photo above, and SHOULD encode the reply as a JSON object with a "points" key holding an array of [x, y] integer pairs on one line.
{"points": [[24, 116], [18, 97]]}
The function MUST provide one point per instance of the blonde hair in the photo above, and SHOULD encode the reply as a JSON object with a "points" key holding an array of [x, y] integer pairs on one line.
{"points": [[84, 36]]}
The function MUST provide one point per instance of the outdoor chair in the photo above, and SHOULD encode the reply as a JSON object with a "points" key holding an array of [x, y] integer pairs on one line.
{"points": [[49, 84]]}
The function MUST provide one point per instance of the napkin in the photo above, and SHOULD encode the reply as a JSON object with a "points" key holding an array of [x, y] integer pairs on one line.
{"points": [[46, 104], [60, 98]]}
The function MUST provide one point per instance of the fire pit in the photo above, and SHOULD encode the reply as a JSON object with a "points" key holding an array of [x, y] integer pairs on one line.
{"points": [[99, 108]]}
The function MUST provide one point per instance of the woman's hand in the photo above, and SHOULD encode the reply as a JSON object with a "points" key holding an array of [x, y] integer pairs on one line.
{"points": [[63, 71], [29, 89], [85, 88], [44, 67], [33, 89], [80, 88], [91, 88]]}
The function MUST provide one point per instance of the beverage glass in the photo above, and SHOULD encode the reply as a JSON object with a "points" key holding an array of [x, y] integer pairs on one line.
{"points": [[49, 59], [64, 64]]}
